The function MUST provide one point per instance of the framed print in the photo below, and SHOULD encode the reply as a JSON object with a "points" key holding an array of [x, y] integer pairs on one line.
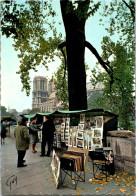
{"points": [[80, 134], [70, 140], [66, 142], [85, 143], [62, 125], [66, 134], [67, 128], [74, 138], [97, 133], [81, 127], [82, 118], [96, 142], [70, 131], [93, 122], [67, 119], [80, 143], [62, 137], [67, 123], [89, 132], [99, 121], [89, 144]]}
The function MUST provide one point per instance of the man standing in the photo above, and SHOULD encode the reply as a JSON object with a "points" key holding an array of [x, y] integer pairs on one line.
{"points": [[47, 136], [22, 141]]}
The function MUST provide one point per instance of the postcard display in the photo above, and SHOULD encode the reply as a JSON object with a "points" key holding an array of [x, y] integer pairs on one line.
{"points": [[88, 134]]}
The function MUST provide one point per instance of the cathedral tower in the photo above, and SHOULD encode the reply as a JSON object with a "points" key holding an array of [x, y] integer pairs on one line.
{"points": [[40, 91]]}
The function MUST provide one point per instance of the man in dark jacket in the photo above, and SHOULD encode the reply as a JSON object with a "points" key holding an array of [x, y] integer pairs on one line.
{"points": [[47, 136]]}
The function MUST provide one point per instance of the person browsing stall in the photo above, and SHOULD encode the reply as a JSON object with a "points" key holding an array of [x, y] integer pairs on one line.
{"points": [[47, 136], [33, 131], [22, 141]]}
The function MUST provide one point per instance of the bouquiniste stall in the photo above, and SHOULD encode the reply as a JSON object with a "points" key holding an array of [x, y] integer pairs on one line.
{"points": [[83, 128], [80, 131]]}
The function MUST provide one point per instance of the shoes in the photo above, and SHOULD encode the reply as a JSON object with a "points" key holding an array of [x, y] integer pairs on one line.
{"points": [[34, 151], [22, 165], [42, 155], [23, 161]]}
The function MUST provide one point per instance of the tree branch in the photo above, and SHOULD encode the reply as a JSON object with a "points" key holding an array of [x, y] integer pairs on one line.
{"points": [[105, 65], [131, 10]]}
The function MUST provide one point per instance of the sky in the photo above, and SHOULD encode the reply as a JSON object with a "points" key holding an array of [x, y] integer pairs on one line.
{"points": [[11, 95]]}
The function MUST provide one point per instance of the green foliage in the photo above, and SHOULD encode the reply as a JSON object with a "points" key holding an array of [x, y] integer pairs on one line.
{"points": [[83, 9], [30, 24], [117, 98], [61, 85], [4, 113], [92, 98], [121, 21]]}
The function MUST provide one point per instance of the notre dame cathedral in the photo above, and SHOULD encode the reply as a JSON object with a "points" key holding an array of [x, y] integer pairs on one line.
{"points": [[44, 95]]}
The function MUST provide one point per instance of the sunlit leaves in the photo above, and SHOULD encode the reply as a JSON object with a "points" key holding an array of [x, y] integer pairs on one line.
{"points": [[122, 190], [30, 24], [117, 98], [61, 85], [121, 21]]}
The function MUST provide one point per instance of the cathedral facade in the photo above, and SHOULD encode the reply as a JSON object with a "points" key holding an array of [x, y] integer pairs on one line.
{"points": [[44, 95]]}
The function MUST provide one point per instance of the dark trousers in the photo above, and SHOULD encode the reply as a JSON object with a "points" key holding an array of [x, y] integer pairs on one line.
{"points": [[43, 145], [21, 155]]}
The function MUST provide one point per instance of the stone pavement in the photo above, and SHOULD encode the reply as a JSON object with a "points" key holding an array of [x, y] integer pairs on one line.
{"points": [[37, 179]]}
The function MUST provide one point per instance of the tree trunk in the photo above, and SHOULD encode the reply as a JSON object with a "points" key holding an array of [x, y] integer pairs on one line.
{"points": [[75, 48]]}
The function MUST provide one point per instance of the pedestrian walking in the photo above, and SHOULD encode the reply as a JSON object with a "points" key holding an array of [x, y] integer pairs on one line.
{"points": [[47, 136], [33, 131], [22, 141], [3, 132]]}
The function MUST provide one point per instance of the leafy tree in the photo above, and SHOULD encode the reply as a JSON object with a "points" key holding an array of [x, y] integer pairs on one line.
{"points": [[117, 98], [61, 85], [29, 24], [121, 21], [4, 113], [25, 23]]}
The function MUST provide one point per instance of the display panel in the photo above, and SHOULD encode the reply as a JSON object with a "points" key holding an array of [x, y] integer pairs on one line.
{"points": [[82, 118], [97, 133], [80, 143], [80, 134]]}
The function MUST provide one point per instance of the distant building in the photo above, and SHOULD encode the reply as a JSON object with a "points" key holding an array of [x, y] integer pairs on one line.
{"points": [[14, 112], [44, 94], [26, 111], [40, 91]]}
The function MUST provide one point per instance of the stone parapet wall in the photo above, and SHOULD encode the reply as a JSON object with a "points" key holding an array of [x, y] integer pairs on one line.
{"points": [[124, 152]]}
